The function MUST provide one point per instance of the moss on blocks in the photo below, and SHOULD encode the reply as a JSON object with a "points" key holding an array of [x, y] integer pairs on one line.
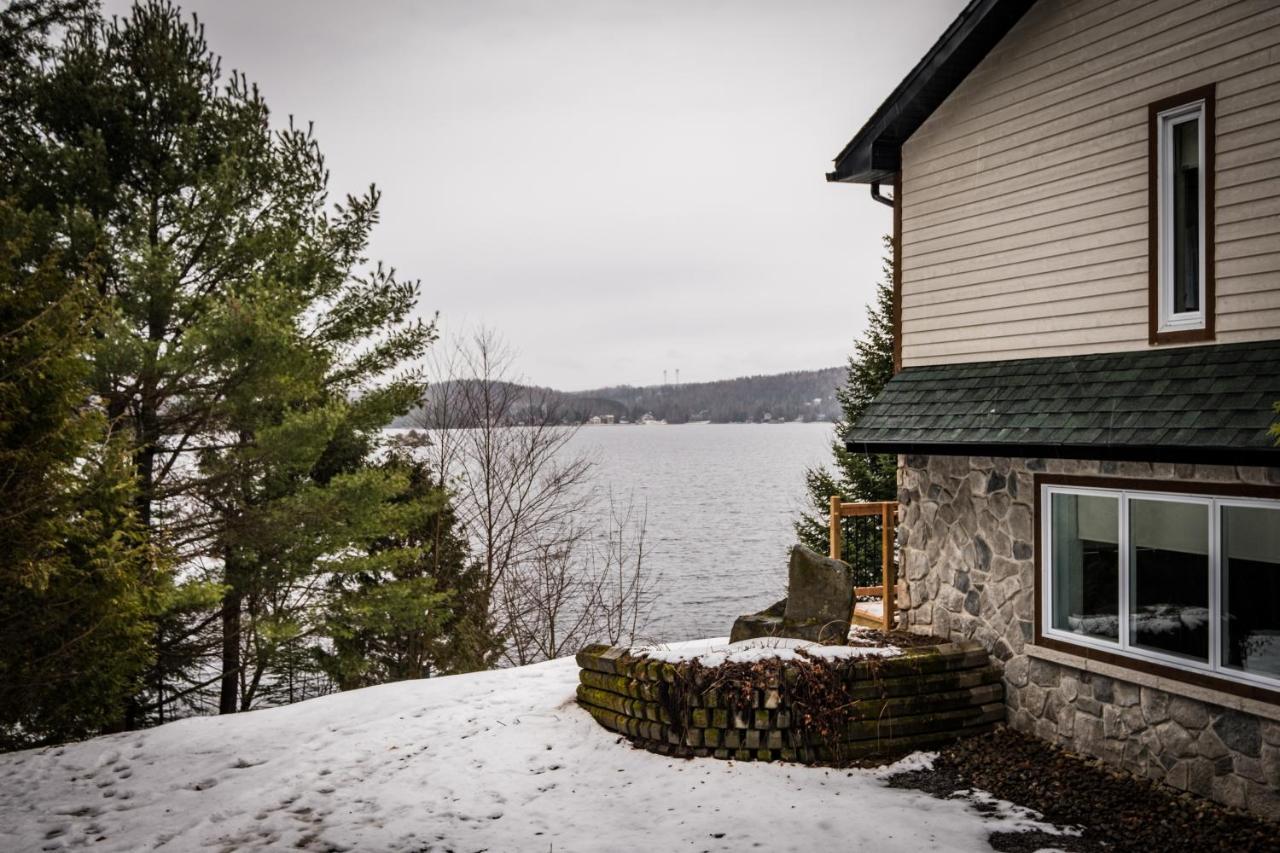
{"points": [[925, 697]]}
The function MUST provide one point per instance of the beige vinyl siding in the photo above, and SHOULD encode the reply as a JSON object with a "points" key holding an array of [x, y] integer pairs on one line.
{"points": [[1024, 212]]}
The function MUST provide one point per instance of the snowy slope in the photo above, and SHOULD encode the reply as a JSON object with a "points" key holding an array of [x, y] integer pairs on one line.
{"points": [[503, 761]]}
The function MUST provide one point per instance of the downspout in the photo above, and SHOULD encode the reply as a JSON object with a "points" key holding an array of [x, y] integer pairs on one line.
{"points": [[875, 194]]}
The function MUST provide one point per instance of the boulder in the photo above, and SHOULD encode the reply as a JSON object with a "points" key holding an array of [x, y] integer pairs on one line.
{"points": [[766, 623], [820, 595]]}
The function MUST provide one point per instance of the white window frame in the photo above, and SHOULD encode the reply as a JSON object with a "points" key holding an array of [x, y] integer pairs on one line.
{"points": [[1122, 647], [1166, 121]]}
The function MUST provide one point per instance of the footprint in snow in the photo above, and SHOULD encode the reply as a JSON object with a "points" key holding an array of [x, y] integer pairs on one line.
{"points": [[78, 811]]}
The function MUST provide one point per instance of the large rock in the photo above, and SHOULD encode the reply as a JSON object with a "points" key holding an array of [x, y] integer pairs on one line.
{"points": [[820, 594], [766, 623]]}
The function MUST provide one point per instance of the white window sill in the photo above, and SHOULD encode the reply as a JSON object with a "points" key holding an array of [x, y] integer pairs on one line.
{"points": [[1265, 710]]}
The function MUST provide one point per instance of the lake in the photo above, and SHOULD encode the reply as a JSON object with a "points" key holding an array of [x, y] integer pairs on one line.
{"points": [[721, 501]]}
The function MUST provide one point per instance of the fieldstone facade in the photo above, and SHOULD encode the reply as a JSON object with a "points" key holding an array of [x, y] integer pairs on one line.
{"points": [[966, 534]]}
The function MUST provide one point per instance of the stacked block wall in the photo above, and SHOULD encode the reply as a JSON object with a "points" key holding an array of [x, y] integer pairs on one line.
{"points": [[926, 697]]}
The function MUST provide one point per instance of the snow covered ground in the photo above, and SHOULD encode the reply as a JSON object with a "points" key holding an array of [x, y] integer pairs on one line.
{"points": [[498, 761]]}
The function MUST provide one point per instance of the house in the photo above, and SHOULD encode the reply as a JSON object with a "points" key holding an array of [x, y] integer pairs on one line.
{"points": [[1086, 208]]}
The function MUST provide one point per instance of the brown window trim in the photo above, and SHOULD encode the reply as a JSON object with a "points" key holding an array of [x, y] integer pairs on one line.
{"points": [[1184, 336], [1232, 490], [897, 272]]}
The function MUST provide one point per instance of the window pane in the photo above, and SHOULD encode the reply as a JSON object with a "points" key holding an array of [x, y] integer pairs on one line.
{"points": [[1251, 589], [1169, 582], [1186, 216], [1086, 565]]}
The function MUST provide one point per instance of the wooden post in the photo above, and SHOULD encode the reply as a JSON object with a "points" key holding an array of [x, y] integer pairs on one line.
{"points": [[834, 527], [889, 598]]}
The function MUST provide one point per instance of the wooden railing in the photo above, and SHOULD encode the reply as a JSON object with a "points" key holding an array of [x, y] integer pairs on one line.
{"points": [[888, 512]]}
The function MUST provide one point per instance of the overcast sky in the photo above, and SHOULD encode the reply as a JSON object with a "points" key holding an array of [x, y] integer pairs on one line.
{"points": [[616, 187]]}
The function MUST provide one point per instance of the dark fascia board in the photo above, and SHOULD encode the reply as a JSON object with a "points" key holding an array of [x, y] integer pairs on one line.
{"points": [[1265, 457], [875, 153]]}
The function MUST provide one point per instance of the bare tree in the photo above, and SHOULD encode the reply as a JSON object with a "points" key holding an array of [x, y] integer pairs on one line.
{"points": [[518, 489], [546, 604], [625, 588], [525, 498], [589, 586]]}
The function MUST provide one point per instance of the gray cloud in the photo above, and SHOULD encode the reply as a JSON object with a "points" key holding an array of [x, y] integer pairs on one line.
{"points": [[617, 187]]}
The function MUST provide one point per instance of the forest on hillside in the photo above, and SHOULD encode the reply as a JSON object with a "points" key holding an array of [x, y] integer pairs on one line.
{"points": [[804, 395]]}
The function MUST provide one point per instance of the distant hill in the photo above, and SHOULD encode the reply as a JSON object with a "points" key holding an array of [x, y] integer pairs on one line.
{"points": [[807, 395]]}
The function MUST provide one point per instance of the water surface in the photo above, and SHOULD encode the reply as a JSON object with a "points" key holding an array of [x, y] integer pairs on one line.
{"points": [[721, 501]]}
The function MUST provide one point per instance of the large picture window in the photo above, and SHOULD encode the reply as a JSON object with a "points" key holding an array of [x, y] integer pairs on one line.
{"points": [[1182, 217], [1183, 580]]}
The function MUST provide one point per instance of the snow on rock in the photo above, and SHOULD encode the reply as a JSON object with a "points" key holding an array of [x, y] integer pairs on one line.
{"points": [[718, 651], [498, 761]]}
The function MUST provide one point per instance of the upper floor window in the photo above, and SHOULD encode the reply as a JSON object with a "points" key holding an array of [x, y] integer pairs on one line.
{"points": [[1182, 218]]}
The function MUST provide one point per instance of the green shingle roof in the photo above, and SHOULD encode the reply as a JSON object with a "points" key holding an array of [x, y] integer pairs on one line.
{"points": [[1192, 402]]}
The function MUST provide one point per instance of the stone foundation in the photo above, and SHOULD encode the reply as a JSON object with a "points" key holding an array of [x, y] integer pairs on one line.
{"points": [[926, 697], [966, 534]]}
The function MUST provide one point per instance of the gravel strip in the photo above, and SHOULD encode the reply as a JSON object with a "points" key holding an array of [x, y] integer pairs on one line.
{"points": [[1117, 812]]}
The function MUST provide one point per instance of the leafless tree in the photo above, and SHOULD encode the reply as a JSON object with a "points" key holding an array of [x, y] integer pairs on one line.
{"points": [[625, 587], [591, 585], [518, 489], [525, 498], [546, 604]]}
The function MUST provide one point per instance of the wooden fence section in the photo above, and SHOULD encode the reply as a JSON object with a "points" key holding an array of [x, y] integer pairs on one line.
{"points": [[866, 613]]}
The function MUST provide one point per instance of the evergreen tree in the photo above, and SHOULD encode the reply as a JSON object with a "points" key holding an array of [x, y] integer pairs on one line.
{"points": [[392, 625], [294, 495], [246, 353], [857, 476], [76, 583]]}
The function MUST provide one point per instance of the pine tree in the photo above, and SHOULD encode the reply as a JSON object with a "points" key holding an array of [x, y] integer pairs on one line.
{"points": [[857, 476], [295, 496], [78, 585], [76, 582], [246, 353], [392, 624]]}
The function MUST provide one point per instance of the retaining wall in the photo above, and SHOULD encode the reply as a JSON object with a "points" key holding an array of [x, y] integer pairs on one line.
{"points": [[926, 697]]}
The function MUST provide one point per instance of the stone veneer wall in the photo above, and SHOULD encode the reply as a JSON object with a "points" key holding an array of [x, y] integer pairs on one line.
{"points": [[927, 696], [966, 533]]}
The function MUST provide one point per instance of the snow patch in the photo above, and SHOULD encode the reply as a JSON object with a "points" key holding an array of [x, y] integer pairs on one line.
{"points": [[762, 648], [502, 760], [912, 763], [1018, 818]]}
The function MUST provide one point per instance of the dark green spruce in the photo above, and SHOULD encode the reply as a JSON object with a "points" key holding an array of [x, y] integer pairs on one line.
{"points": [[857, 476]]}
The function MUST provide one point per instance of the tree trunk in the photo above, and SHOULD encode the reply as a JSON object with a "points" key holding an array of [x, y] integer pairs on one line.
{"points": [[231, 603]]}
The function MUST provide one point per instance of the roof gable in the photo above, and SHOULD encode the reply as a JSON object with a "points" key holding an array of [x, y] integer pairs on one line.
{"points": [[874, 154]]}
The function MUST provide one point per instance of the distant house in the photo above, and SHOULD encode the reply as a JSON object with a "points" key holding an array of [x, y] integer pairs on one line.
{"points": [[1086, 203]]}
